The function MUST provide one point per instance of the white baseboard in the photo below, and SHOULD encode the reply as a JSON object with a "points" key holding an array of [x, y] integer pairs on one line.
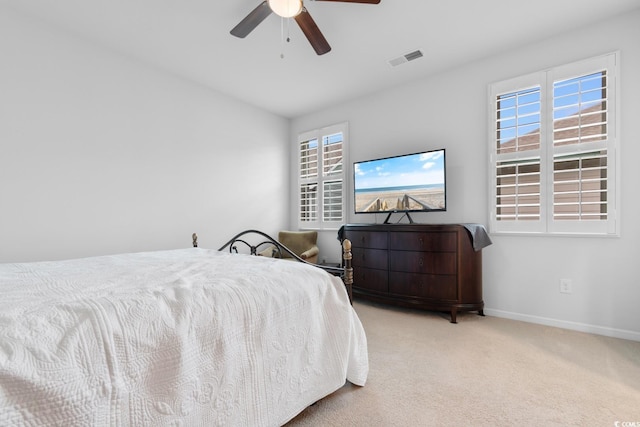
{"points": [[574, 326]]}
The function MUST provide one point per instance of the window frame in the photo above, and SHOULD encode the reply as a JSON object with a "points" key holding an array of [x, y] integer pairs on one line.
{"points": [[318, 134], [547, 225]]}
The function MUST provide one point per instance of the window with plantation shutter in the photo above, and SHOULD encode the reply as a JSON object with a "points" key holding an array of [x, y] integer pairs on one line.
{"points": [[553, 144], [321, 196]]}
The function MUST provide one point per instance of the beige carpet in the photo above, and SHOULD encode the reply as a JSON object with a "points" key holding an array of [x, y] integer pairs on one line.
{"points": [[483, 371]]}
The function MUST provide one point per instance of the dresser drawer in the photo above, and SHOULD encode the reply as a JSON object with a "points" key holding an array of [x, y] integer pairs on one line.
{"points": [[423, 262], [432, 286], [372, 258], [371, 279], [445, 241], [368, 239]]}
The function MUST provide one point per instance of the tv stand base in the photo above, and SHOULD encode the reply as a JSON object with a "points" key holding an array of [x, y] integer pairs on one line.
{"points": [[386, 220]]}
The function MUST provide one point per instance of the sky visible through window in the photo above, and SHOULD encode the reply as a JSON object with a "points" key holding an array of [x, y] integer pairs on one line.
{"points": [[574, 95], [520, 111], [330, 139], [333, 139]]}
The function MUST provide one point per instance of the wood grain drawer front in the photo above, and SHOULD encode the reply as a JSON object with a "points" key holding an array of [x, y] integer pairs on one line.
{"points": [[371, 258], [423, 262], [371, 279], [423, 285], [428, 241], [368, 239]]}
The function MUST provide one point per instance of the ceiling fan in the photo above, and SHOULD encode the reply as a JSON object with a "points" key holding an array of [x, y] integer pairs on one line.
{"points": [[290, 9]]}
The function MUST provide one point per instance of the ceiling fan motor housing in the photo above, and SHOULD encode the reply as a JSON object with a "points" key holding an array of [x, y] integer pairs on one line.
{"points": [[286, 8]]}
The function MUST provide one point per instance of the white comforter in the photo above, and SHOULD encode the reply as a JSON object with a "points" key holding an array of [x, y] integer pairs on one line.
{"points": [[190, 337]]}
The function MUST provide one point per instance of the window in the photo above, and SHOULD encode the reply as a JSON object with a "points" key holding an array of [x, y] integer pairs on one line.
{"points": [[321, 182], [553, 150]]}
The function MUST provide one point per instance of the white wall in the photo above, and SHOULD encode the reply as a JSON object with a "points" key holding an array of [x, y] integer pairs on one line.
{"points": [[101, 154], [521, 274]]}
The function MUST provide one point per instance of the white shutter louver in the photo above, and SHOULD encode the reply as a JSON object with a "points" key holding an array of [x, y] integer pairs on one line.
{"points": [[308, 202], [332, 200], [517, 130], [580, 148], [332, 167], [518, 190], [308, 176], [580, 186], [309, 159]]}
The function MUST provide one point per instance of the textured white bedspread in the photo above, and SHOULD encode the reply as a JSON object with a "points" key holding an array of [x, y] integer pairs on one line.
{"points": [[190, 337]]}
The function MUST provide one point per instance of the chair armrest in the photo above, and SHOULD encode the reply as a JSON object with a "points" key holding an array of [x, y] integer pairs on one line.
{"points": [[309, 253]]}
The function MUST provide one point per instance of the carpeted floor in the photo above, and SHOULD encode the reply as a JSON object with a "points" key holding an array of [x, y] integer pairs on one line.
{"points": [[483, 371]]}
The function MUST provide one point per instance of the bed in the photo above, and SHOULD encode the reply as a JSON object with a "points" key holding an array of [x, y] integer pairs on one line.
{"points": [[186, 337]]}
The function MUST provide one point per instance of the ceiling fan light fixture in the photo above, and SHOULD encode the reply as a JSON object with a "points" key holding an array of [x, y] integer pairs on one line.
{"points": [[286, 8]]}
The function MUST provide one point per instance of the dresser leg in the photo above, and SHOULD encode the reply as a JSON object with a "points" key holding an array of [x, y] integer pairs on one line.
{"points": [[454, 315]]}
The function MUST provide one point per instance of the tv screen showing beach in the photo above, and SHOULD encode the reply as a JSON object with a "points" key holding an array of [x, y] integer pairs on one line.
{"points": [[408, 183]]}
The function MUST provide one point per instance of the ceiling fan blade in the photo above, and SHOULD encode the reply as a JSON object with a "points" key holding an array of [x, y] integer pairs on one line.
{"points": [[251, 21], [355, 1], [312, 32]]}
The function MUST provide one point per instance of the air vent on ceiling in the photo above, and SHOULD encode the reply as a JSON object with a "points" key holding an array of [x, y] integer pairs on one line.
{"points": [[406, 58]]}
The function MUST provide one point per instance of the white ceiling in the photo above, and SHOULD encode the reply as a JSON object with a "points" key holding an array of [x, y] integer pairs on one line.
{"points": [[191, 38]]}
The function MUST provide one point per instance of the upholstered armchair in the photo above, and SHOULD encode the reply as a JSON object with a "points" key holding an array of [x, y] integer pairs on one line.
{"points": [[301, 243]]}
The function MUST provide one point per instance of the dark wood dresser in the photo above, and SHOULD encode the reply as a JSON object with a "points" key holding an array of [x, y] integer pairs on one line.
{"points": [[432, 267]]}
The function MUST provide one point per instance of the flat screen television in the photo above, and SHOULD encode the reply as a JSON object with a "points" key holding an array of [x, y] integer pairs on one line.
{"points": [[406, 183]]}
